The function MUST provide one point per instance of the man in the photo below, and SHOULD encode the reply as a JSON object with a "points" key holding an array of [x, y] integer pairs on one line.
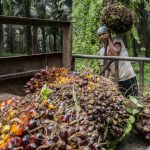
{"points": [[115, 47]]}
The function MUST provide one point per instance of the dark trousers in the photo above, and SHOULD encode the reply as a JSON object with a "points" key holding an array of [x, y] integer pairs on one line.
{"points": [[129, 87]]}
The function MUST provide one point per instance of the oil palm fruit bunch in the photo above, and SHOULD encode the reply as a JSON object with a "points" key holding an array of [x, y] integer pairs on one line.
{"points": [[117, 17], [50, 75], [143, 122], [100, 99]]}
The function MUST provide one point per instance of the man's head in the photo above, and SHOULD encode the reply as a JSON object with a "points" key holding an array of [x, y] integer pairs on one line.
{"points": [[103, 32]]}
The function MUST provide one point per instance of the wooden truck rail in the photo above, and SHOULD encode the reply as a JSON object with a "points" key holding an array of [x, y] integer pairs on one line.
{"points": [[65, 25], [16, 70]]}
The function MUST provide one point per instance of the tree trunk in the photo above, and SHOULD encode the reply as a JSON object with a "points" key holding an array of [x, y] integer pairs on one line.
{"points": [[147, 45], [43, 40], [135, 54], [10, 39], [1, 28], [143, 28], [42, 14], [55, 44], [34, 39], [28, 39], [51, 42], [20, 43]]}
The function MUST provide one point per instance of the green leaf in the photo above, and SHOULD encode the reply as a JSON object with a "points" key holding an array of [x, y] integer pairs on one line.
{"points": [[132, 111], [78, 108], [45, 91], [44, 96], [135, 111], [129, 110], [135, 101], [128, 129], [132, 119]]}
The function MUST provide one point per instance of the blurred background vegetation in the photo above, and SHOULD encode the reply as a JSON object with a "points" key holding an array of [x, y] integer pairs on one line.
{"points": [[16, 39], [86, 21]]}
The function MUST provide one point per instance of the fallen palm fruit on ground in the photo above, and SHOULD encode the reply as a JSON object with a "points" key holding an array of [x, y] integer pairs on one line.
{"points": [[65, 111], [117, 17]]}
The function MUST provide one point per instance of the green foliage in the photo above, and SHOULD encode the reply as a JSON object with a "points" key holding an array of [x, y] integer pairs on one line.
{"points": [[86, 21], [135, 34], [8, 6], [45, 91], [92, 65], [129, 40], [86, 14], [135, 101], [146, 75]]}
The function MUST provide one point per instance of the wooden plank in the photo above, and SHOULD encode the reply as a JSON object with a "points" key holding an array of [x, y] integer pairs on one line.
{"points": [[67, 49], [18, 75], [10, 65], [32, 21], [31, 55]]}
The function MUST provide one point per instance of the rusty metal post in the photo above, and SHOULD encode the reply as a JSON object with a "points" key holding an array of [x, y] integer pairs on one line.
{"points": [[67, 46], [116, 71], [141, 78]]}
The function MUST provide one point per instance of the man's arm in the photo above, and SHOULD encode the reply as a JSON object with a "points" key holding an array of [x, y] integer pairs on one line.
{"points": [[114, 48]]}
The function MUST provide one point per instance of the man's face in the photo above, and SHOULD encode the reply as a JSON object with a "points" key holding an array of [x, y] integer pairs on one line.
{"points": [[103, 36]]}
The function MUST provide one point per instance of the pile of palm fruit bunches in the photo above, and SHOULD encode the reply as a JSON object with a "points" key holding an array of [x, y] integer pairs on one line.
{"points": [[117, 17], [64, 111]]}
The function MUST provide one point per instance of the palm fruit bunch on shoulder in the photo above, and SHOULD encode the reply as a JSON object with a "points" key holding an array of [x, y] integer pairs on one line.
{"points": [[117, 17]]}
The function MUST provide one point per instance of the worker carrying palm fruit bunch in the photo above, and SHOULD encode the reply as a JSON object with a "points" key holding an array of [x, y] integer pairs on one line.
{"points": [[119, 19]]}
